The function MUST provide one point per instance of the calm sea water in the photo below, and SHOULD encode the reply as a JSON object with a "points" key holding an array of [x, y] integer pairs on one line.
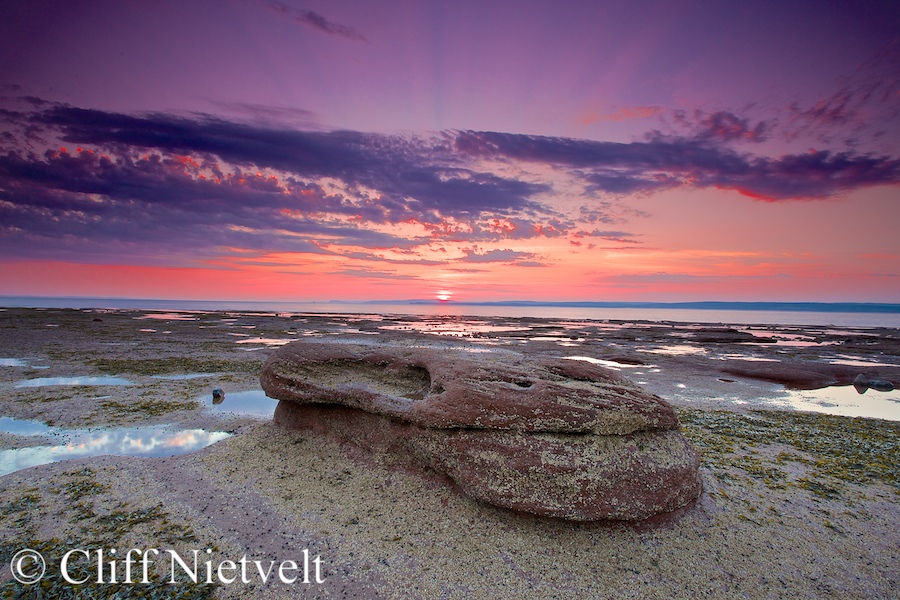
{"points": [[683, 315]]}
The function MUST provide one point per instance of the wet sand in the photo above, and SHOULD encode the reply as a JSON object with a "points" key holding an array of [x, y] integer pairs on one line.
{"points": [[795, 504]]}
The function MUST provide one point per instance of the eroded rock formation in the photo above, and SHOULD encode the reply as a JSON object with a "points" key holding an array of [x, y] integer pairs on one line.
{"points": [[553, 437]]}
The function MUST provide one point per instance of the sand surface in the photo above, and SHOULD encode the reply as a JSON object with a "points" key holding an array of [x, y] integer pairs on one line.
{"points": [[795, 504]]}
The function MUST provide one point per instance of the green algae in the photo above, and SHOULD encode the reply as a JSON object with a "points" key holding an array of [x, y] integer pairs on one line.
{"points": [[834, 449], [174, 365], [96, 529], [81, 488], [41, 397], [147, 408]]}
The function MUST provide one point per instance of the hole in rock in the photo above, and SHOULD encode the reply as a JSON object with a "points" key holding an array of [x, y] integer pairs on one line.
{"points": [[406, 381]]}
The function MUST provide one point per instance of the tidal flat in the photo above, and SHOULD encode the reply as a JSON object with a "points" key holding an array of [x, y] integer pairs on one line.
{"points": [[112, 441]]}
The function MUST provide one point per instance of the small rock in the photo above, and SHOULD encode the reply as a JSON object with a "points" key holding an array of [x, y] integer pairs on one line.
{"points": [[863, 383], [880, 385], [218, 396]]}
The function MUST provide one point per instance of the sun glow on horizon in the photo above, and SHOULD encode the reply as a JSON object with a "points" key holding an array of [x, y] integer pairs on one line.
{"points": [[444, 295]]}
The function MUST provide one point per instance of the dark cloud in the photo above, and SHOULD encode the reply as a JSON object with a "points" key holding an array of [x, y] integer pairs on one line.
{"points": [[837, 109], [376, 257], [316, 21], [270, 116], [812, 175], [200, 185], [373, 274], [159, 200], [722, 126], [402, 169], [661, 163], [530, 263], [615, 182], [610, 236], [601, 212], [862, 110], [473, 255], [620, 237], [865, 105]]}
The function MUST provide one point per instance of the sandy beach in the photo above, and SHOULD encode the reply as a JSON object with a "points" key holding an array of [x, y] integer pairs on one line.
{"points": [[795, 504]]}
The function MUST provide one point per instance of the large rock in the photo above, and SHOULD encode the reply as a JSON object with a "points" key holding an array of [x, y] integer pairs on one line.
{"points": [[558, 437]]}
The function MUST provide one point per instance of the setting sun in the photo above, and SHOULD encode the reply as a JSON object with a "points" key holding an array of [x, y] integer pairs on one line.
{"points": [[444, 295]]}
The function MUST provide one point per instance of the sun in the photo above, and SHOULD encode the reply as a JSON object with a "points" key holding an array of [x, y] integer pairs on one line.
{"points": [[444, 295]]}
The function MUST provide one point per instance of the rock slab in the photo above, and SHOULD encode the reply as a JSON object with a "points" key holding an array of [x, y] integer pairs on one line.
{"points": [[553, 437]]}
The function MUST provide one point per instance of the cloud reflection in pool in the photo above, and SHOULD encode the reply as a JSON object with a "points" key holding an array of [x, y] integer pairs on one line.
{"points": [[48, 381], [154, 441]]}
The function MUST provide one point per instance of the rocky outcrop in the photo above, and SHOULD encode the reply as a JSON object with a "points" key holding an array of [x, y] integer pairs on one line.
{"points": [[804, 374], [722, 335], [559, 437]]}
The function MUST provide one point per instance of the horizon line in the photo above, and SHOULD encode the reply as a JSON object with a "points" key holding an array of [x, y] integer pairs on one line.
{"points": [[776, 305]]}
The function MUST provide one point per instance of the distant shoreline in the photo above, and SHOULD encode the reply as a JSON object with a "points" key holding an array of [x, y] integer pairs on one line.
{"points": [[861, 307], [110, 302], [710, 313]]}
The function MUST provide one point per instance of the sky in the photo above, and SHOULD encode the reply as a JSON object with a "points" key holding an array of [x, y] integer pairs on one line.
{"points": [[282, 150]]}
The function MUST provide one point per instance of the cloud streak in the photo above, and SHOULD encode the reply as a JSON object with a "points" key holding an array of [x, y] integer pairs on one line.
{"points": [[316, 21], [662, 163], [861, 109], [722, 126]]}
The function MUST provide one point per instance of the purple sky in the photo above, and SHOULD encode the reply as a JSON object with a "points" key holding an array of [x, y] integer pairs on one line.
{"points": [[474, 150]]}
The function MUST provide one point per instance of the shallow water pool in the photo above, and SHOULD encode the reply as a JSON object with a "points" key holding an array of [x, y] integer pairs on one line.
{"points": [[184, 376], [609, 364], [845, 401], [12, 362], [23, 427], [154, 441], [48, 381], [675, 350]]}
